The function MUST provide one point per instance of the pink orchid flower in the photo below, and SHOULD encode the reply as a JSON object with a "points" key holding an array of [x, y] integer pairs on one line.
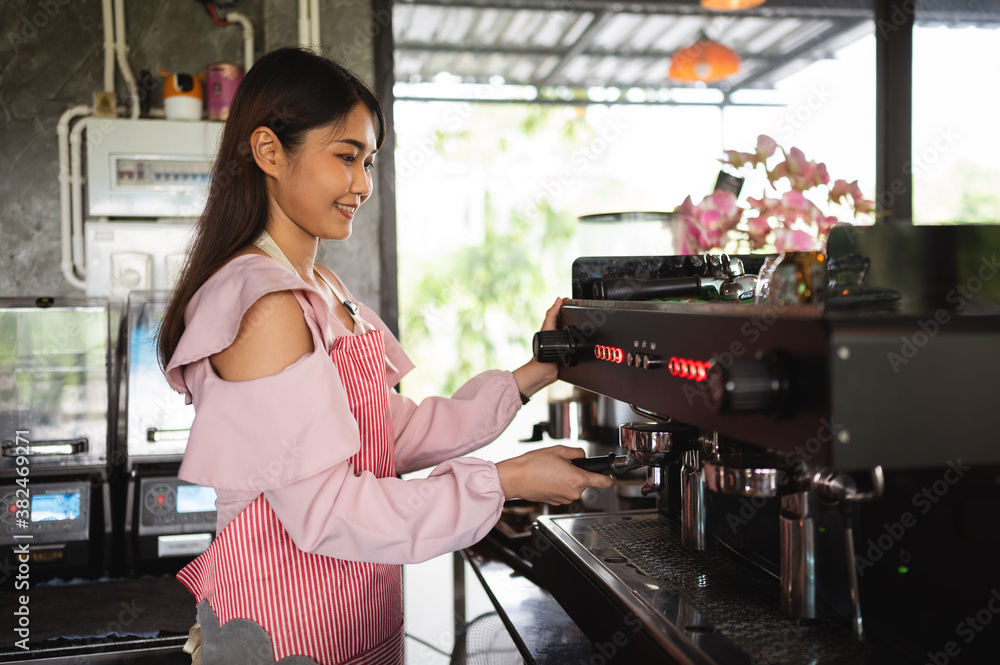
{"points": [[725, 203], [792, 222], [795, 161], [842, 189], [861, 204], [825, 223], [797, 207], [707, 224], [802, 174], [738, 159], [687, 208], [794, 240], [767, 206], [757, 229], [822, 177], [794, 200], [766, 147], [839, 190]]}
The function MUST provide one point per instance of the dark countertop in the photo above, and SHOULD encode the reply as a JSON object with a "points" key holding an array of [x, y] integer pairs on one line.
{"points": [[541, 629], [139, 620], [145, 620]]}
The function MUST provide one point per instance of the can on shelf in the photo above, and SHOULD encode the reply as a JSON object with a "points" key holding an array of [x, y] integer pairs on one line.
{"points": [[221, 81]]}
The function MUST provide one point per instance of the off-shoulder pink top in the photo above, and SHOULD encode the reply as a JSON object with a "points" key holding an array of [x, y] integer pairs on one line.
{"points": [[290, 435]]}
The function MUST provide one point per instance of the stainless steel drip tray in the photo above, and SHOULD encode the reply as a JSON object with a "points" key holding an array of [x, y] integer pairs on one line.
{"points": [[693, 606]]}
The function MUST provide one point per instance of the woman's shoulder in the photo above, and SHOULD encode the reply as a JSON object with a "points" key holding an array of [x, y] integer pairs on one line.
{"points": [[213, 316], [240, 282]]}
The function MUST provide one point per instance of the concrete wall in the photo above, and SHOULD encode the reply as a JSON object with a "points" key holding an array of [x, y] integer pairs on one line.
{"points": [[51, 58]]}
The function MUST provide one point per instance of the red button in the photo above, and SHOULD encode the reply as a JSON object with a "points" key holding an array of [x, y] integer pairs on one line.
{"points": [[12, 508], [160, 499]]}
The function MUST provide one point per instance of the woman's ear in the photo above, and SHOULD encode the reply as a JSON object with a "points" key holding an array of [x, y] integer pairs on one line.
{"points": [[266, 150]]}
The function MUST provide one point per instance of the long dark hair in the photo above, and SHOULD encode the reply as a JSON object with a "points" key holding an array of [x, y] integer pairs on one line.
{"points": [[291, 91]]}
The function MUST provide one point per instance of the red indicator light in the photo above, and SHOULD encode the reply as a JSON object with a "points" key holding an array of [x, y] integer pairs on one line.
{"points": [[12, 508], [610, 353], [694, 370], [160, 499]]}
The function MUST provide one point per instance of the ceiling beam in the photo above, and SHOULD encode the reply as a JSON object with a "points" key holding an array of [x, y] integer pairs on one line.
{"points": [[536, 52], [558, 101], [801, 51], [770, 9], [944, 11], [582, 42]]}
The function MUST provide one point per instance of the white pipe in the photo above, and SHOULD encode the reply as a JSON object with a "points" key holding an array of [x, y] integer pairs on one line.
{"points": [[248, 36], [107, 14], [314, 25], [120, 50], [304, 23], [76, 182], [65, 182]]}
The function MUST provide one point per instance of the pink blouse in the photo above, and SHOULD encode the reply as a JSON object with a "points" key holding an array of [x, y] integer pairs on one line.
{"points": [[290, 435]]}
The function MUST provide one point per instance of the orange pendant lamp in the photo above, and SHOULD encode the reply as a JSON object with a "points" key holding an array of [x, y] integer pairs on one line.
{"points": [[706, 60], [729, 5]]}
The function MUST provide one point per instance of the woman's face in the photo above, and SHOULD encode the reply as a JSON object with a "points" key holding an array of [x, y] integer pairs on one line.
{"points": [[321, 187]]}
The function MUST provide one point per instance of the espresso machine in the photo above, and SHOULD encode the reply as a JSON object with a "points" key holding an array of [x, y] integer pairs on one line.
{"points": [[165, 521], [54, 491], [826, 469]]}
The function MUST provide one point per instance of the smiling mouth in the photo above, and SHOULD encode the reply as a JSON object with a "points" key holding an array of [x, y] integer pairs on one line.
{"points": [[348, 209]]}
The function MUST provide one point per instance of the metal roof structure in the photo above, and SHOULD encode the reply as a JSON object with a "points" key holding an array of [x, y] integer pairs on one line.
{"points": [[560, 48]]}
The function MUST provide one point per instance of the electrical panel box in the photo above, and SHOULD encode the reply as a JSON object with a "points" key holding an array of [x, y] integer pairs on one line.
{"points": [[134, 255], [149, 168]]}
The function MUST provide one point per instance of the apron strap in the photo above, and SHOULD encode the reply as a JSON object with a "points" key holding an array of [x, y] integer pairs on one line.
{"points": [[348, 304], [265, 242]]}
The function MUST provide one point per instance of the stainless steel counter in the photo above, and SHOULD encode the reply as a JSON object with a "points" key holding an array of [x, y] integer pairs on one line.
{"points": [[542, 631]]}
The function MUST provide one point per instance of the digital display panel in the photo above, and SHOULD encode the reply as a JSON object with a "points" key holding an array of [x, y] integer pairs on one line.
{"points": [[52, 507], [195, 499]]}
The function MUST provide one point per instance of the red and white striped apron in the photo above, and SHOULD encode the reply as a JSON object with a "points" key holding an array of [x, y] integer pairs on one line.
{"points": [[330, 610]]}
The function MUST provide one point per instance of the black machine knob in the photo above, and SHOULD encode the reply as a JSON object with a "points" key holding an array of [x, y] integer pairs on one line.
{"points": [[552, 346], [748, 385]]}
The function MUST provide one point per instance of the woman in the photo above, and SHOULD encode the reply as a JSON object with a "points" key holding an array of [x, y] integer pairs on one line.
{"points": [[297, 426]]}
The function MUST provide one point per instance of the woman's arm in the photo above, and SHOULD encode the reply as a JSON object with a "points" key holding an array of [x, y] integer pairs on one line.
{"points": [[439, 428], [388, 520], [291, 436]]}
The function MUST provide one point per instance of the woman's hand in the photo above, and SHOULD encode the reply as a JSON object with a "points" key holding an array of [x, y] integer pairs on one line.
{"points": [[552, 314], [547, 475], [533, 375]]}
